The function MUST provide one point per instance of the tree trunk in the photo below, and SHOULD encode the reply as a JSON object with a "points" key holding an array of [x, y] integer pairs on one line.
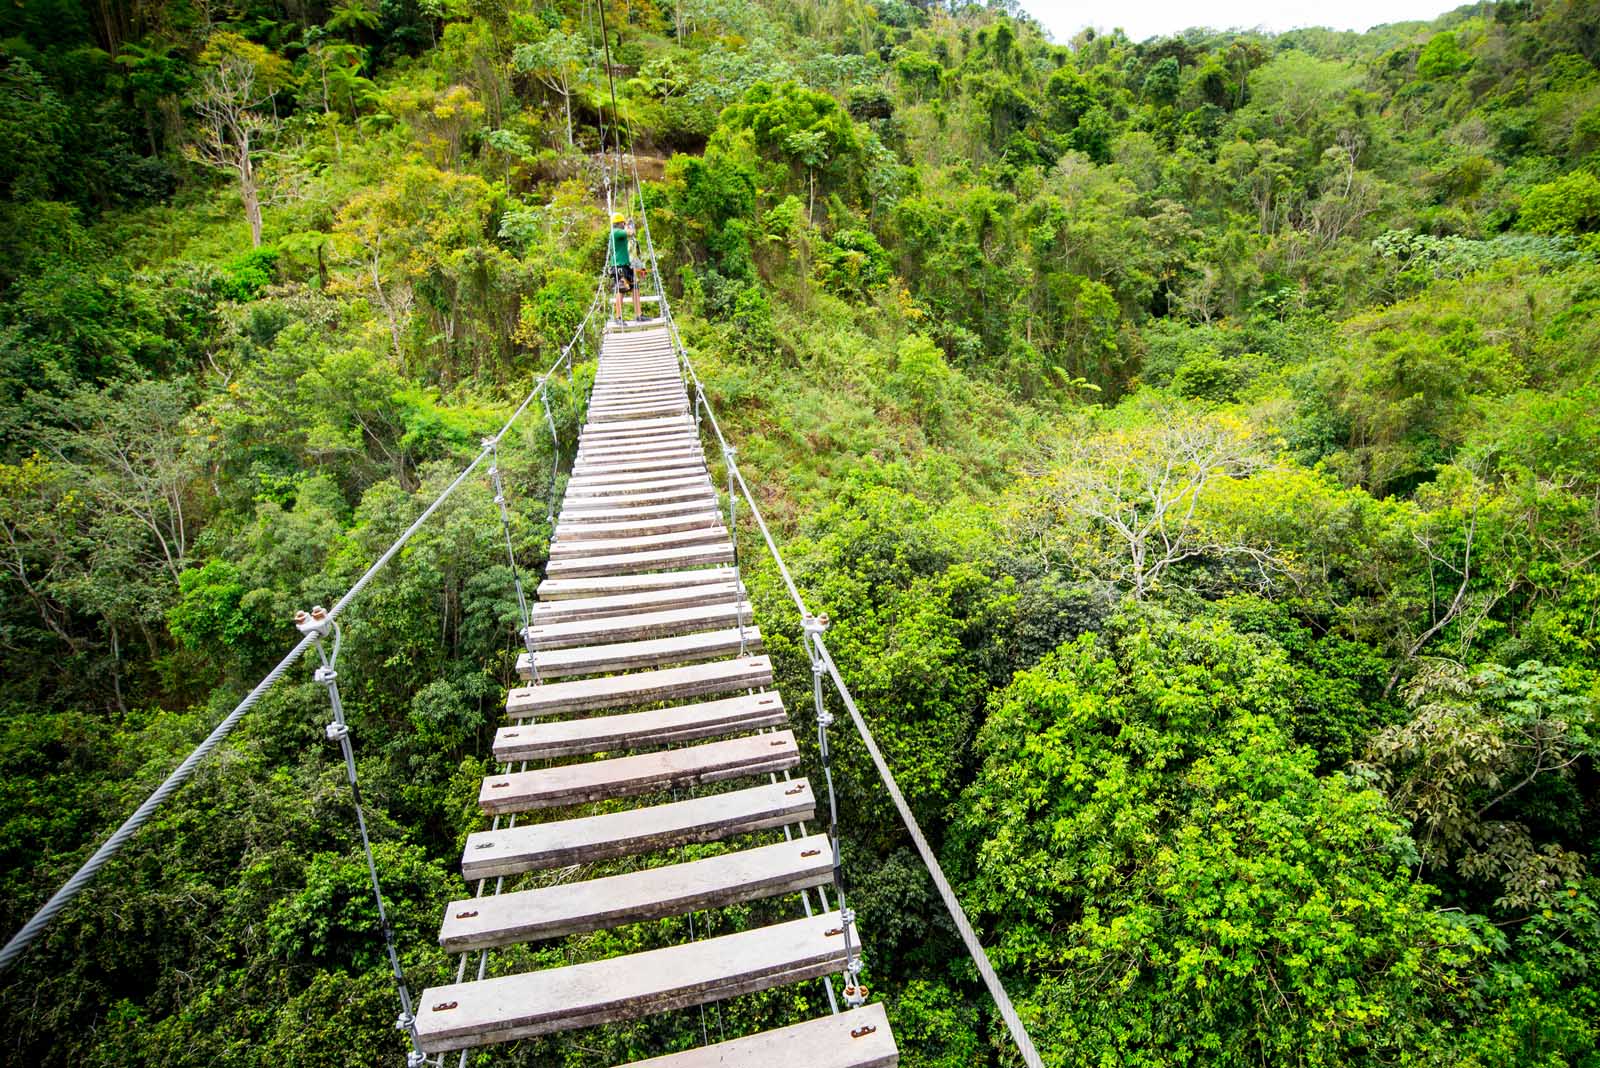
{"points": [[249, 194]]}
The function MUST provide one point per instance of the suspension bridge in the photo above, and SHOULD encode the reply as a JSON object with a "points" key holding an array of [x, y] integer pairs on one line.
{"points": [[648, 723]]}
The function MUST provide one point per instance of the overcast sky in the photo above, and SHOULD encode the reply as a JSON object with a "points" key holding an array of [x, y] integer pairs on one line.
{"points": [[1151, 18]]}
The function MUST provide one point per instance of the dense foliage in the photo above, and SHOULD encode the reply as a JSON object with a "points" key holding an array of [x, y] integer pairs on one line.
{"points": [[1195, 442]]}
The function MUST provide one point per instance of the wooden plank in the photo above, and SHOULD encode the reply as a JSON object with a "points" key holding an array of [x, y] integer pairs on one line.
{"points": [[559, 843], [600, 531], [549, 635], [631, 563], [631, 478], [638, 543], [640, 443], [629, 494], [630, 404], [615, 509], [639, 601], [638, 896], [636, 483], [665, 684], [645, 411], [463, 1015], [639, 730], [856, 1038], [647, 652], [619, 585], [637, 447], [639, 427], [599, 780], [645, 461]]}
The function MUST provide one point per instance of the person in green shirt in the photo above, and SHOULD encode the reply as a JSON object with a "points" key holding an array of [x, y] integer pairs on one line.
{"points": [[620, 262]]}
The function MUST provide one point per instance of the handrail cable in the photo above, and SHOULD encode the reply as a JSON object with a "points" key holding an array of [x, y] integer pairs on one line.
{"points": [[30, 931], [813, 626]]}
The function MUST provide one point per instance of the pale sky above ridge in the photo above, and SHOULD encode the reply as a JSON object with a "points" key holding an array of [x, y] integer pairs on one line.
{"points": [[1151, 18]]}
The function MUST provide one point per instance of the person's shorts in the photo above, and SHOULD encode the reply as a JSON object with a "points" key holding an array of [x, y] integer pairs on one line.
{"points": [[622, 275]]}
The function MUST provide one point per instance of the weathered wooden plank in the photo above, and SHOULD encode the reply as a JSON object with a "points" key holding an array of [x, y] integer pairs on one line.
{"points": [[630, 563], [648, 652], [665, 684], [617, 509], [539, 846], [632, 478], [600, 531], [639, 462], [629, 403], [638, 427], [563, 550], [597, 780], [618, 585], [551, 635], [602, 607], [674, 443], [857, 1038], [638, 730], [462, 1015], [645, 411], [681, 489], [638, 896]]}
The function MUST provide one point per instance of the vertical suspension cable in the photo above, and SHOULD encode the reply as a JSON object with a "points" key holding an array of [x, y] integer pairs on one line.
{"points": [[315, 625]]}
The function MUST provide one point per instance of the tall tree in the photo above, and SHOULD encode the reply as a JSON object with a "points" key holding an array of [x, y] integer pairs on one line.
{"points": [[232, 107]]}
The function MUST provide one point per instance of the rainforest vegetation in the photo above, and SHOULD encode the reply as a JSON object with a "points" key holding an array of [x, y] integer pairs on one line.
{"points": [[1195, 443]]}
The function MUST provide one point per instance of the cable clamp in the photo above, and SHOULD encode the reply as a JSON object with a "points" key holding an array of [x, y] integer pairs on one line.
{"points": [[500, 499], [337, 732], [847, 917], [416, 1059], [489, 442], [729, 452], [824, 718], [815, 624], [404, 1021], [315, 622], [325, 675]]}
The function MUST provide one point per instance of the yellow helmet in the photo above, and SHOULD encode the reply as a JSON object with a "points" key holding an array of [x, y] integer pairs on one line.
{"points": [[616, 217]]}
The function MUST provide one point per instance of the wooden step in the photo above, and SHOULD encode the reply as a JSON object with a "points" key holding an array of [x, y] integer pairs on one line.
{"points": [[687, 469], [637, 428], [598, 780], [677, 487], [646, 411], [462, 1015], [647, 653], [638, 543], [650, 444], [635, 897], [600, 531], [644, 461], [641, 687], [857, 1038], [588, 839], [612, 509], [667, 621], [627, 406], [604, 607], [639, 730], [626, 563], [621, 585]]}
